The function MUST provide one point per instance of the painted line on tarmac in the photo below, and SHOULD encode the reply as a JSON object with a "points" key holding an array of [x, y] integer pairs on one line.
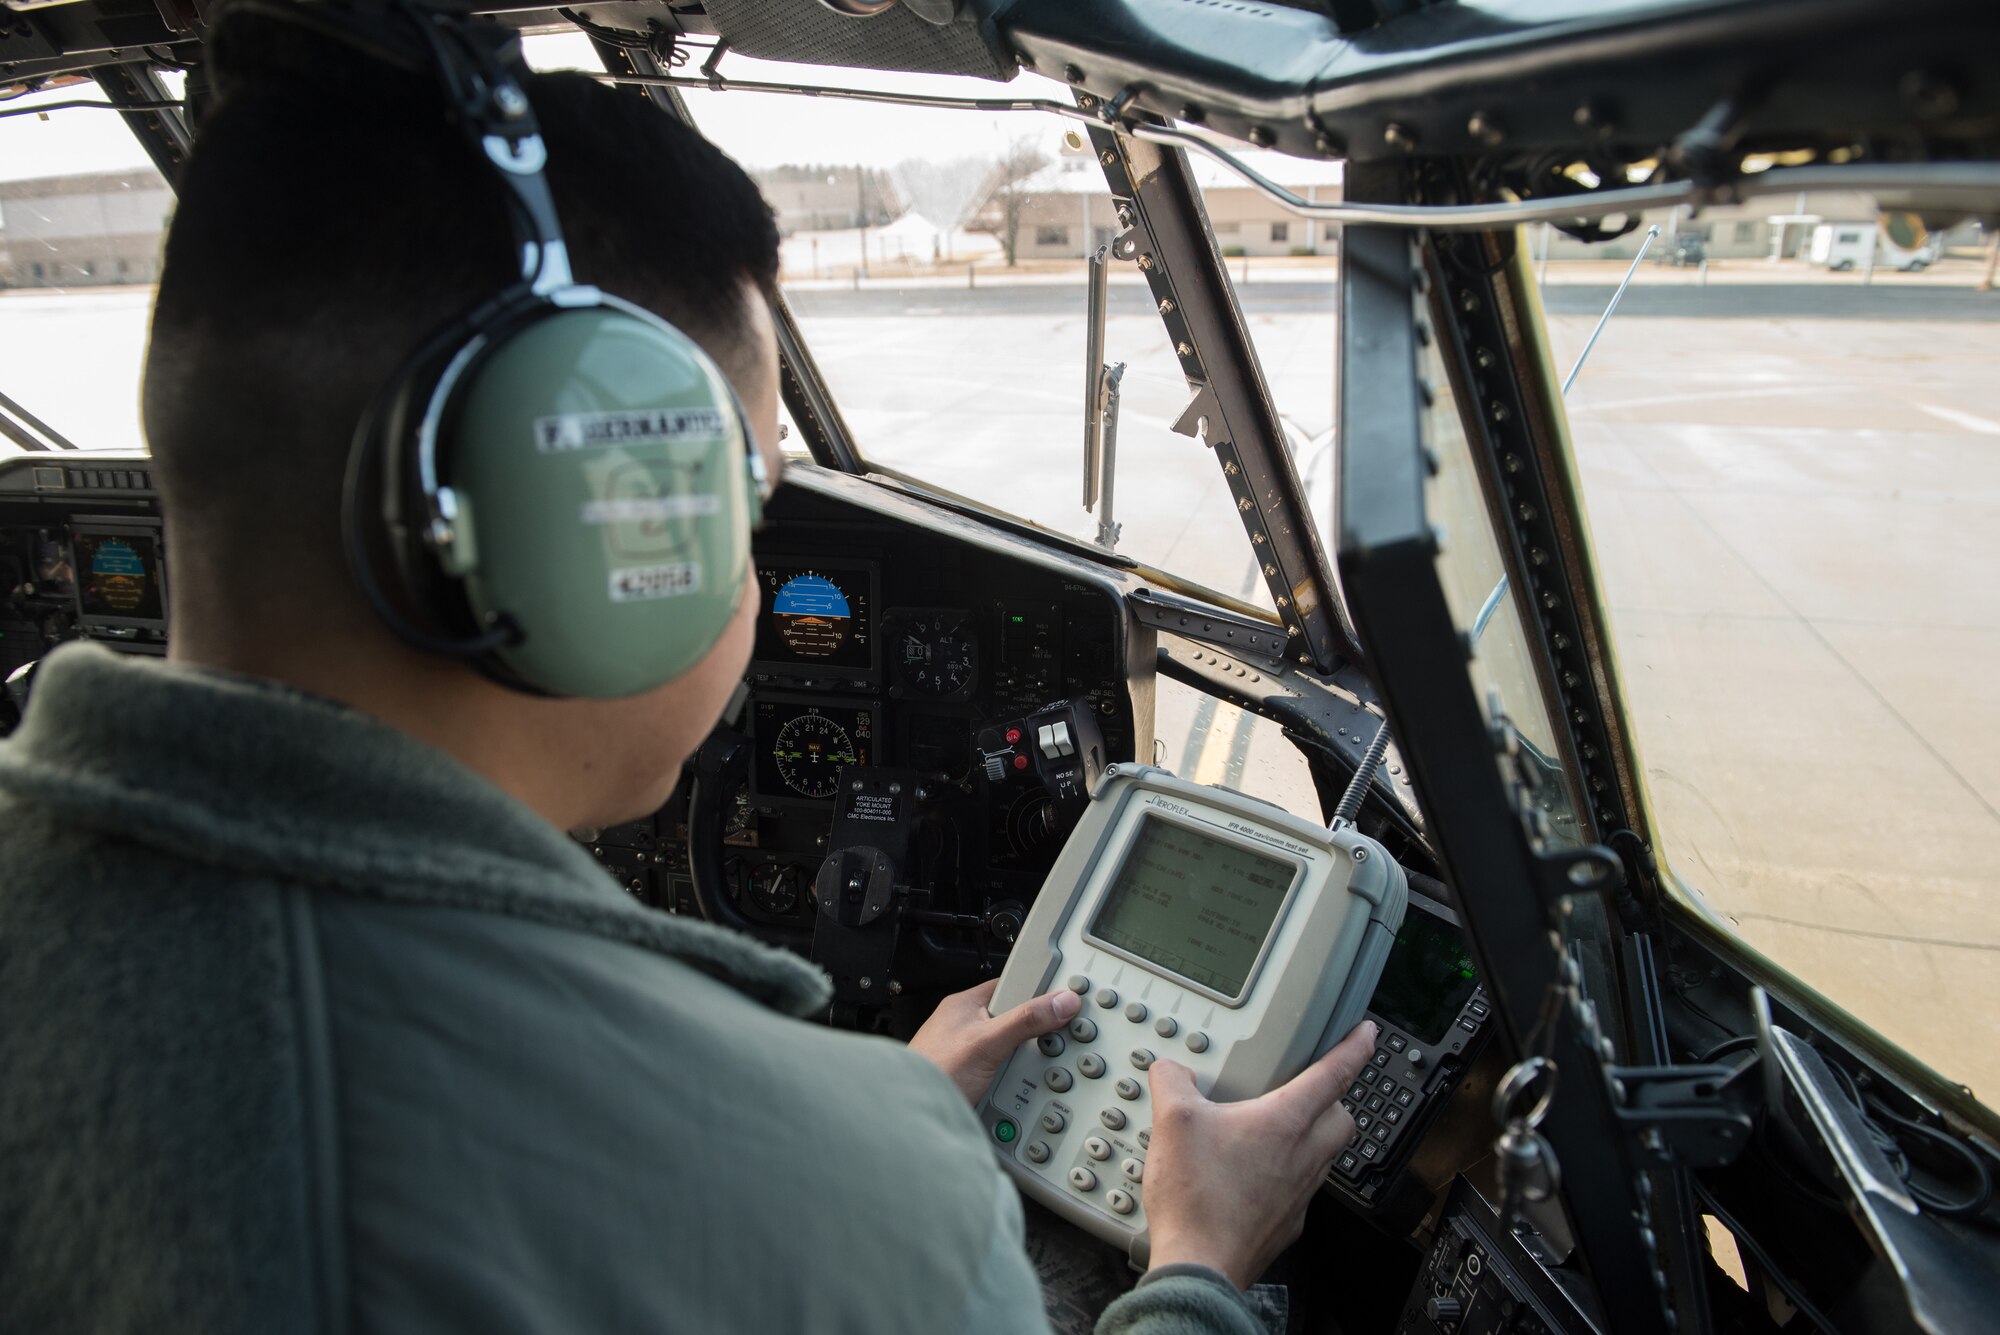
{"points": [[1219, 747], [1985, 426], [1863, 931]]}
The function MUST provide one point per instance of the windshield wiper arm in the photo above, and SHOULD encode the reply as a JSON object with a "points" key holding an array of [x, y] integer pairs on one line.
{"points": [[29, 431], [1100, 405]]}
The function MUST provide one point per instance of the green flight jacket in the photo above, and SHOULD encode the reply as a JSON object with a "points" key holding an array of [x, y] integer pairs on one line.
{"points": [[305, 1027]]}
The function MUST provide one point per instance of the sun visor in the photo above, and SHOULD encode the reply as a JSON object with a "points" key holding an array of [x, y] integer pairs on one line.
{"points": [[895, 39]]}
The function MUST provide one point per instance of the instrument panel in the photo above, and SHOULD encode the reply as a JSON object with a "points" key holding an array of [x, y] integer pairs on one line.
{"points": [[898, 658], [82, 555]]}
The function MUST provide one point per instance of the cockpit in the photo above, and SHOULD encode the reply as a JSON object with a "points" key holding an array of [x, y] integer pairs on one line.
{"points": [[1184, 389]]}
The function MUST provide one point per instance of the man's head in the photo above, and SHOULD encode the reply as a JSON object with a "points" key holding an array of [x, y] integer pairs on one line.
{"points": [[330, 220]]}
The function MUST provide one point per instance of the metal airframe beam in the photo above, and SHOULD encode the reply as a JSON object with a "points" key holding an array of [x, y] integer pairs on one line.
{"points": [[1157, 200], [1388, 559]]}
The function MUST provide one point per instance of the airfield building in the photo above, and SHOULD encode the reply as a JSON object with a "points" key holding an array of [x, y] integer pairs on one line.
{"points": [[1067, 210], [86, 230]]}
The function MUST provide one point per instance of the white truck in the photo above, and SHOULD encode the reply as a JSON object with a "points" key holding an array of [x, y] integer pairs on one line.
{"points": [[1899, 241]]}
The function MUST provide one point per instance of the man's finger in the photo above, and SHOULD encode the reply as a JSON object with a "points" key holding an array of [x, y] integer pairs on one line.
{"points": [[980, 994], [1319, 1087], [1031, 1019], [1169, 1080]]}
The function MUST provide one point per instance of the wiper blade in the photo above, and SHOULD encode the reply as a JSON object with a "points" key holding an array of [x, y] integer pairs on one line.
{"points": [[29, 431]]}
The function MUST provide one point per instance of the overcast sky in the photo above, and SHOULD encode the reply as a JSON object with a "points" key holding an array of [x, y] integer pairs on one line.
{"points": [[759, 130]]}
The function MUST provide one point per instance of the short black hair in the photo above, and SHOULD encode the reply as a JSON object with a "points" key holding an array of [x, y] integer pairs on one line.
{"points": [[331, 218]]}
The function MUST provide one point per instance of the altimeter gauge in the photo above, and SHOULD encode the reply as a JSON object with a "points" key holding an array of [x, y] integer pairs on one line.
{"points": [[936, 653]]}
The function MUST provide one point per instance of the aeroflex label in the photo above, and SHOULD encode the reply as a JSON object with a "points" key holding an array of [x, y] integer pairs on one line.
{"points": [[647, 426], [638, 584]]}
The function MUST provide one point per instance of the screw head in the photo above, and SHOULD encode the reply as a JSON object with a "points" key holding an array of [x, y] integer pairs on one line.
{"points": [[1486, 128], [1261, 136], [511, 101]]}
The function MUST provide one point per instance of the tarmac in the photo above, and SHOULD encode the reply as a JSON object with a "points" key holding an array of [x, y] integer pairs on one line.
{"points": [[1793, 485]]}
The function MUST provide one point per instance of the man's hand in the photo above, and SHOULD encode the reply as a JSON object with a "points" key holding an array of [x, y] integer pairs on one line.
{"points": [[1227, 1183], [970, 1046]]}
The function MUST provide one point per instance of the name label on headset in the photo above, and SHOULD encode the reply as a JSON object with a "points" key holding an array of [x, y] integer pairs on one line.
{"points": [[647, 509], [565, 432], [637, 584]]}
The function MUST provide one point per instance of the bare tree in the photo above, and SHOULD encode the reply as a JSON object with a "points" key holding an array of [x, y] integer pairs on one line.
{"points": [[1020, 160]]}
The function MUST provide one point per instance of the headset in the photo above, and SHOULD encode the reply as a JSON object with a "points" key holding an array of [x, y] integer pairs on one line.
{"points": [[565, 483]]}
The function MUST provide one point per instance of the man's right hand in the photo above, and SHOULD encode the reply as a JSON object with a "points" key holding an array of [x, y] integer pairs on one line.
{"points": [[1227, 1183]]}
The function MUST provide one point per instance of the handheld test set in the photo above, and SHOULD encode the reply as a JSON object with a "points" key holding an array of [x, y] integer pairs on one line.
{"points": [[1198, 924]]}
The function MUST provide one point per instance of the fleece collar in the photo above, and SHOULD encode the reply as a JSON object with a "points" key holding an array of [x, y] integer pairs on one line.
{"points": [[253, 777]]}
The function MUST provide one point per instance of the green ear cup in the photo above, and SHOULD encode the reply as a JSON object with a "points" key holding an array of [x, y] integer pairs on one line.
{"points": [[598, 458]]}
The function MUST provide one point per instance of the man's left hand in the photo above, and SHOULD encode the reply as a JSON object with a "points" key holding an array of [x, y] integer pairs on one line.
{"points": [[970, 1046]]}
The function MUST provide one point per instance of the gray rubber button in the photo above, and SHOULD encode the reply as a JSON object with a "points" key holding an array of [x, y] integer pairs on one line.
{"points": [[1136, 1012], [1107, 997], [1083, 1029], [1166, 1026], [1197, 1041], [1120, 1200], [1141, 1058], [1146, 1139], [1090, 1065], [1038, 1151], [1051, 1045], [1057, 1078], [1097, 1147], [1127, 1087], [1053, 1122], [1083, 1179], [1079, 984], [1134, 1169], [1113, 1119]]}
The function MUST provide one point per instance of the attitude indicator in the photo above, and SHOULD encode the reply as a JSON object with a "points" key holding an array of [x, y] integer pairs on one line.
{"points": [[812, 614]]}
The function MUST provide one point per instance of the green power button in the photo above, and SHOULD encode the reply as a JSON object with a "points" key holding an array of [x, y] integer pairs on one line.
{"points": [[1004, 1131]]}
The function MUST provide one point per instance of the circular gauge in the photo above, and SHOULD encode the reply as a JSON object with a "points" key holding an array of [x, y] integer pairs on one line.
{"points": [[812, 614], [1030, 821], [775, 889], [940, 746], [809, 752], [936, 652]]}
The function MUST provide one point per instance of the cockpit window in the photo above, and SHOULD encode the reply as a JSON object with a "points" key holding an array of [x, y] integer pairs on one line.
{"points": [[1485, 604], [936, 261], [1786, 437], [82, 216]]}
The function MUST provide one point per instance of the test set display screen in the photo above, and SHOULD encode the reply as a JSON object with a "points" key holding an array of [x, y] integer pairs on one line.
{"points": [[1426, 979], [1195, 906], [117, 577]]}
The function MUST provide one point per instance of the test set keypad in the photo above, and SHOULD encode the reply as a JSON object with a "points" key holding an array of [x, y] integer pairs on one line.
{"points": [[1093, 1126]]}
